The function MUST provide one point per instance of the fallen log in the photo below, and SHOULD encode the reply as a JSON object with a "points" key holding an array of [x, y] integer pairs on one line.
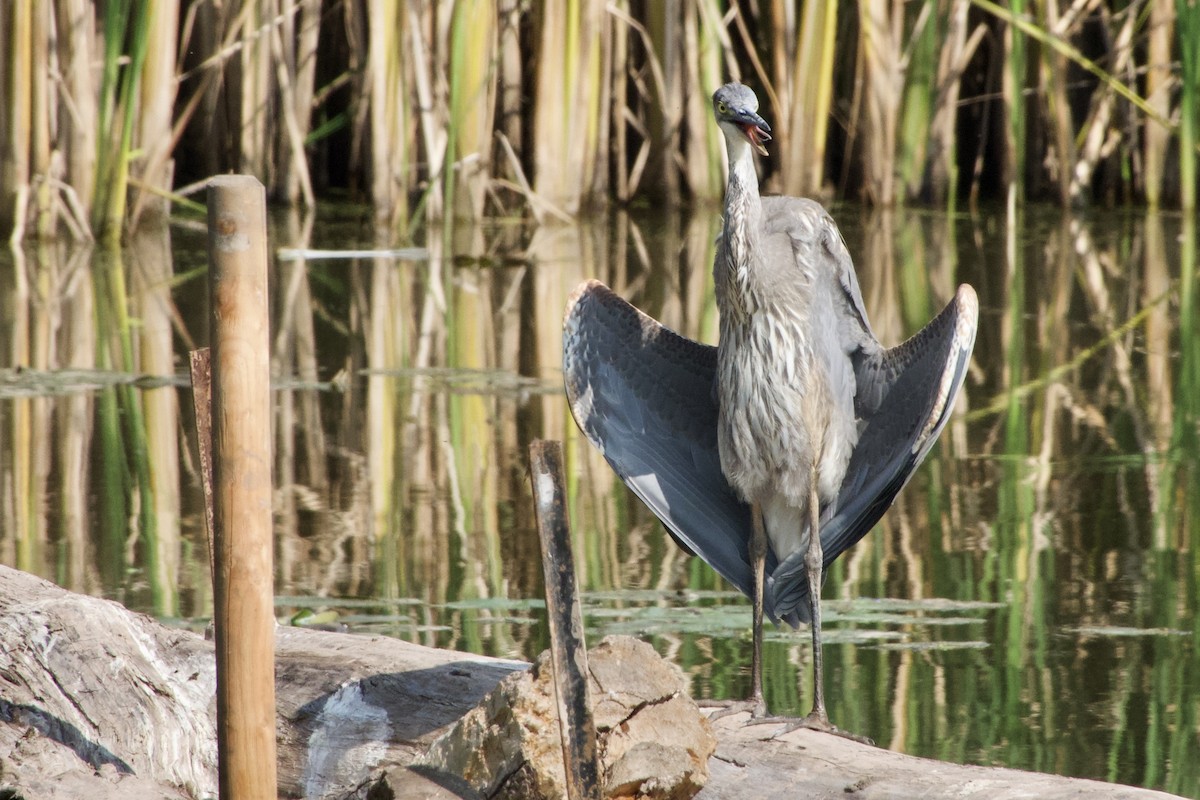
{"points": [[99, 702], [93, 695]]}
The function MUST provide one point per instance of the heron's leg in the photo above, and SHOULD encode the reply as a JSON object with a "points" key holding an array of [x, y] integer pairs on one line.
{"points": [[813, 565], [758, 566], [755, 704], [817, 719]]}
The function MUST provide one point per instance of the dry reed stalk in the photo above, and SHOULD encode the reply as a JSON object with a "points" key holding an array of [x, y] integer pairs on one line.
{"points": [[1053, 76], [663, 112], [295, 45], [509, 126], [882, 89], [44, 117], [391, 130], [567, 97], [156, 107], [956, 53], [707, 44], [254, 92], [1156, 137], [619, 87], [648, 86], [1099, 135], [803, 71], [75, 23], [15, 70], [952, 65], [425, 51]]}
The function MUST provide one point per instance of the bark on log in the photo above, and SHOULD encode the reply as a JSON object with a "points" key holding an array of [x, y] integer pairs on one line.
{"points": [[98, 702]]}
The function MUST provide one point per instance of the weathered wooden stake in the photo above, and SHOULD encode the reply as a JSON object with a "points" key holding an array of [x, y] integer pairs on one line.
{"points": [[241, 430], [201, 369], [567, 649]]}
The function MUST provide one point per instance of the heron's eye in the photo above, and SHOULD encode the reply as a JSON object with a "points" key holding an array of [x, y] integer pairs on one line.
{"points": [[722, 108]]}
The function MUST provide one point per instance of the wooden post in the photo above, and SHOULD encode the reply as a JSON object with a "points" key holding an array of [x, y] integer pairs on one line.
{"points": [[567, 649], [241, 429]]}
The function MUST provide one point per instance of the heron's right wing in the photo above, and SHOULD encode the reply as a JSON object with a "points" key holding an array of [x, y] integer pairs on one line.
{"points": [[643, 395], [909, 394]]}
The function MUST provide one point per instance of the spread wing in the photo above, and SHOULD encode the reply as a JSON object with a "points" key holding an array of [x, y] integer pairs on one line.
{"points": [[909, 394], [643, 395]]}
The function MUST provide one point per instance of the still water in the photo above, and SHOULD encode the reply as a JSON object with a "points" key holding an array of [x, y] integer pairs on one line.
{"points": [[1030, 601]]}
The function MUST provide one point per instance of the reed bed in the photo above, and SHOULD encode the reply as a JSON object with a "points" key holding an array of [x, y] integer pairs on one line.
{"points": [[457, 110]]}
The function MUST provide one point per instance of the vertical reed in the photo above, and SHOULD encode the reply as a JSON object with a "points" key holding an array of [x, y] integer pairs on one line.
{"points": [[120, 86], [391, 156], [1188, 27], [294, 51], [16, 67], [472, 77], [917, 113], [882, 89], [568, 94], [76, 48], [704, 45], [803, 67], [1156, 137], [26, 126], [155, 108], [252, 90], [1015, 106]]}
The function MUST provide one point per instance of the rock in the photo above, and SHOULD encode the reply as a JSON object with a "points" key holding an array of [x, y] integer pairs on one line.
{"points": [[407, 783], [653, 740], [653, 770]]}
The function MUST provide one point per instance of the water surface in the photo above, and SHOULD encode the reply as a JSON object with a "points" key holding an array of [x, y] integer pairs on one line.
{"points": [[1030, 601]]}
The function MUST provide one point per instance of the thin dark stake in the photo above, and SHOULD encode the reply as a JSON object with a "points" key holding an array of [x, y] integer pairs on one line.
{"points": [[567, 649], [201, 366]]}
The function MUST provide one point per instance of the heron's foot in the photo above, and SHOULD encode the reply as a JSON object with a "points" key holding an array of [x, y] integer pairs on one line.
{"points": [[755, 707], [813, 722]]}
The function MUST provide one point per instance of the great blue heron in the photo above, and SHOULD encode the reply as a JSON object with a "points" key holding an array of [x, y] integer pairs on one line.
{"points": [[798, 420]]}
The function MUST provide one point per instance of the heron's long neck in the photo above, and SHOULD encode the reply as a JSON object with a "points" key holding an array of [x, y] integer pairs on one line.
{"points": [[743, 220]]}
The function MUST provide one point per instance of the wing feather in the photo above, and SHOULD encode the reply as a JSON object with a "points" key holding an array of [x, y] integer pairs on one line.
{"points": [[915, 384], [643, 395]]}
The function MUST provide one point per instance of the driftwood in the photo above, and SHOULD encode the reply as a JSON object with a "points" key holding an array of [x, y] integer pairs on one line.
{"points": [[99, 702], [102, 703]]}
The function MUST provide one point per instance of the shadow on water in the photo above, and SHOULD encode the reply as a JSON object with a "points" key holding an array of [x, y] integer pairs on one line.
{"points": [[1031, 600]]}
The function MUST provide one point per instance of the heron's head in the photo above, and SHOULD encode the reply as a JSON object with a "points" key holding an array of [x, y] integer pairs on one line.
{"points": [[736, 110]]}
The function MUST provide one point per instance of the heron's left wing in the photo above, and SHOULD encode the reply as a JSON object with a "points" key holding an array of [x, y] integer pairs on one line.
{"points": [[643, 395], [910, 391]]}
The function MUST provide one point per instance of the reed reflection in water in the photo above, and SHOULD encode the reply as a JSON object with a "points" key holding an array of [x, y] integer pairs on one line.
{"points": [[1039, 574]]}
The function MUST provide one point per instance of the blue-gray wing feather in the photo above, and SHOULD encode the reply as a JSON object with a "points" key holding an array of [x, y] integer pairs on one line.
{"points": [[906, 396], [643, 395]]}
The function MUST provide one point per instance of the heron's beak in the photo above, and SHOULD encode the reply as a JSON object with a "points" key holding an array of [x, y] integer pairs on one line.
{"points": [[756, 129]]}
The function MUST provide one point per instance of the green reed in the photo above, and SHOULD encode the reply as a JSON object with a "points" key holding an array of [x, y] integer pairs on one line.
{"points": [[126, 37], [1188, 22]]}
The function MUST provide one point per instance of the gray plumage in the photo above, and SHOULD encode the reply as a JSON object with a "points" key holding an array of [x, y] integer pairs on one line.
{"points": [[798, 390]]}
